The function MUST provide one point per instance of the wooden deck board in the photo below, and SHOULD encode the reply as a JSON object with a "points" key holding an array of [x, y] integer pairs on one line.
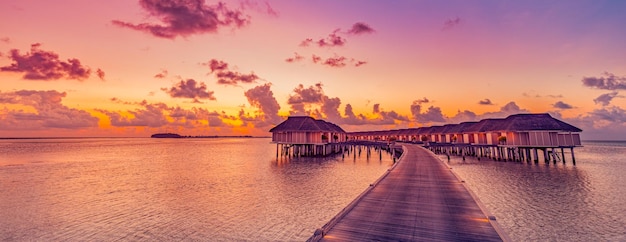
{"points": [[420, 200]]}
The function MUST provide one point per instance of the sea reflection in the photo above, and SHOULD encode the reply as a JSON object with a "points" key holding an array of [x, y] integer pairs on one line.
{"points": [[548, 201], [189, 189]]}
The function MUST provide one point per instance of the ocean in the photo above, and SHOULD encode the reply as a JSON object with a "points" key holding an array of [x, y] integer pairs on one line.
{"points": [[555, 202], [225, 189], [142, 189]]}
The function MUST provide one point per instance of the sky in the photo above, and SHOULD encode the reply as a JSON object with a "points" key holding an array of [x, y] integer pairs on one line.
{"points": [[131, 68]]}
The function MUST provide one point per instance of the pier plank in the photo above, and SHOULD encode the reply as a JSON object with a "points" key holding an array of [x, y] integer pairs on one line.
{"points": [[419, 200]]}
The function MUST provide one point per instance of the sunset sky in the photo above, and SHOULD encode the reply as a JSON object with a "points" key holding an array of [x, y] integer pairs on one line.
{"points": [[130, 68]]}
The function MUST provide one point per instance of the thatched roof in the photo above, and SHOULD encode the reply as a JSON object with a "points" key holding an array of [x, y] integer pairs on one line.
{"points": [[306, 123], [531, 122], [517, 122]]}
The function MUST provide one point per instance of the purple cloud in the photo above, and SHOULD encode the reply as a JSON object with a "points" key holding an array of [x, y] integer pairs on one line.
{"points": [[100, 74], [485, 101], [431, 115], [216, 65], [562, 105], [297, 57], [451, 23], [50, 112], [360, 28], [609, 82], [152, 115], [161, 74], [186, 17], [262, 97], [339, 61], [45, 65], [332, 40], [605, 99], [226, 77], [190, 89]]}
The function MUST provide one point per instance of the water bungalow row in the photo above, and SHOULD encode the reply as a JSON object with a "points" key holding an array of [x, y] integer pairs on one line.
{"points": [[518, 137]]}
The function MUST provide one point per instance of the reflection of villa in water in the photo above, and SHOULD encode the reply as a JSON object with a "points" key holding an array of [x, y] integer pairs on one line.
{"points": [[518, 137]]}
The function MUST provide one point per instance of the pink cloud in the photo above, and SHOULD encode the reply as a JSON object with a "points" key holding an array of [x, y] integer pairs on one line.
{"points": [[262, 97], [50, 112], [332, 40], [161, 74], [451, 23], [100, 74], [190, 89], [339, 61], [361, 28], [46, 65], [297, 57], [184, 18], [228, 77]]}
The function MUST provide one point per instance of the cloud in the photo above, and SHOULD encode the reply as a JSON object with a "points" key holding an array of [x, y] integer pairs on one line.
{"points": [[316, 59], [451, 23], [332, 40], [186, 17], [297, 57], [306, 42], [161, 74], [562, 105], [227, 77], [262, 97], [100, 74], [615, 115], [234, 78], [485, 101], [376, 108], [608, 82], [339, 61], [152, 115], [5, 40], [305, 96], [190, 89], [50, 112], [336, 61], [360, 28], [216, 65], [605, 99], [45, 65], [254, 5], [431, 115]]}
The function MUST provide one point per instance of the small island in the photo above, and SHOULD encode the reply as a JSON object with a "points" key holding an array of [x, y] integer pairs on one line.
{"points": [[166, 135], [176, 136]]}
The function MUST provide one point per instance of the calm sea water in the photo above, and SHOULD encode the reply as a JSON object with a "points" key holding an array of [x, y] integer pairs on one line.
{"points": [[555, 202], [171, 189], [236, 189]]}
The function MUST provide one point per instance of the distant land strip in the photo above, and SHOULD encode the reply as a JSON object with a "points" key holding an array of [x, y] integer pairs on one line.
{"points": [[178, 136]]}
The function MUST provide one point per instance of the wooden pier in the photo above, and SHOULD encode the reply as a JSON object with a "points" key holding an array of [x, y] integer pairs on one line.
{"points": [[419, 199]]}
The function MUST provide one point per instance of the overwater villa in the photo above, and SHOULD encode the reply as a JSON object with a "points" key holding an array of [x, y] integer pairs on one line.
{"points": [[306, 136], [518, 137]]}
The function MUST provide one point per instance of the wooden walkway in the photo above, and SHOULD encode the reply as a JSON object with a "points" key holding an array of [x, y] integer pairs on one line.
{"points": [[419, 200]]}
